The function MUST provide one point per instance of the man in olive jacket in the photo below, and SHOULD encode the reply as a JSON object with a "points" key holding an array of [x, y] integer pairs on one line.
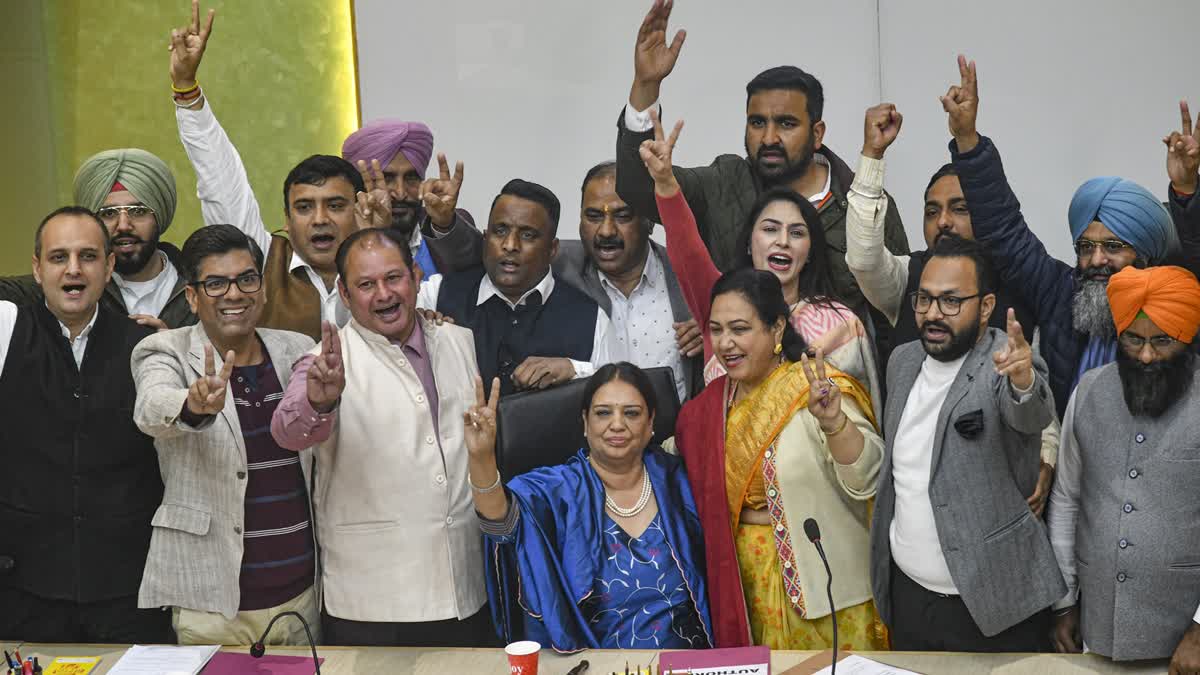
{"points": [[784, 133]]}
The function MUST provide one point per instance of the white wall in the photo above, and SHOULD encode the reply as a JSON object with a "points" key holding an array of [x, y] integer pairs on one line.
{"points": [[533, 89]]}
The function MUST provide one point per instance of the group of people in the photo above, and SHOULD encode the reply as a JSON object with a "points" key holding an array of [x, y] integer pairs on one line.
{"points": [[199, 439]]}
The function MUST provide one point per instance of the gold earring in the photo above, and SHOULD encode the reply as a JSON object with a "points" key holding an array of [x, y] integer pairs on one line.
{"points": [[778, 348]]}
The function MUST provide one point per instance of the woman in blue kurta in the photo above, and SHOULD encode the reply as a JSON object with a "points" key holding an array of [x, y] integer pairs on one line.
{"points": [[604, 551]]}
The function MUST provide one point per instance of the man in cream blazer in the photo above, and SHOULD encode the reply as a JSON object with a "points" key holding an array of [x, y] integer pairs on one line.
{"points": [[232, 543], [381, 403]]}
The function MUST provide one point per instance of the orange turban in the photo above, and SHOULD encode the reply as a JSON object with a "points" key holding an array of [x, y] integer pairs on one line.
{"points": [[1169, 295]]}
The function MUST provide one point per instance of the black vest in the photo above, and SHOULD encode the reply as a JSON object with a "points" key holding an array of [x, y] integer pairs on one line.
{"points": [[563, 326], [80, 481], [905, 329]]}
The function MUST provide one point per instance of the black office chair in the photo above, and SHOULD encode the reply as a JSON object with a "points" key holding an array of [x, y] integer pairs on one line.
{"points": [[544, 428]]}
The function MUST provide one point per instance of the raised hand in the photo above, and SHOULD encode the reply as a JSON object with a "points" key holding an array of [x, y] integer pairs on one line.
{"points": [[653, 58], [1015, 359], [326, 375], [479, 422], [961, 104], [1183, 153], [656, 155], [206, 396], [881, 125], [187, 47], [824, 397], [439, 195], [373, 207]]}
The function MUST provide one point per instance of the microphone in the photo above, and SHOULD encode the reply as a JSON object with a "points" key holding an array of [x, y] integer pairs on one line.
{"points": [[813, 531], [258, 649]]}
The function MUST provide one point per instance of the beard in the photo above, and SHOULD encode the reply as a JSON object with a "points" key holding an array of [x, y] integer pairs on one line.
{"points": [[790, 170], [1090, 313], [127, 264], [1150, 389], [960, 343], [406, 220]]}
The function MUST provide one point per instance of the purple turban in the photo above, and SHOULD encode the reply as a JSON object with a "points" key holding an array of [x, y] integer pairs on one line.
{"points": [[382, 139]]}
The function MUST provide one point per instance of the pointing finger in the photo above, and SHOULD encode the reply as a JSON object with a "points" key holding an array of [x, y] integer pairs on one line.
{"points": [[820, 364], [808, 374]]}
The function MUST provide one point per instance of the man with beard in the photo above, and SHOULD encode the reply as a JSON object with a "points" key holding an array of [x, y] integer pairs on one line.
{"points": [[1114, 222], [1124, 518], [531, 330], [81, 481], [630, 277], [442, 237], [784, 147], [887, 279], [300, 272], [958, 561], [133, 193]]}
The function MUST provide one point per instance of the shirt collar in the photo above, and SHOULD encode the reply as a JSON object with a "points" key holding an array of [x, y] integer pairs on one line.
{"points": [[824, 161], [487, 289], [87, 330], [416, 338], [121, 281], [414, 242]]}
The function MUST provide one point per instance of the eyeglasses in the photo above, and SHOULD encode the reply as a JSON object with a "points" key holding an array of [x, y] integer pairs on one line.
{"points": [[135, 212], [949, 305], [216, 287], [1085, 247], [1159, 343]]}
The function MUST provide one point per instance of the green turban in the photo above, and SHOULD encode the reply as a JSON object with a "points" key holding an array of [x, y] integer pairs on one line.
{"points": [[143, 174]]}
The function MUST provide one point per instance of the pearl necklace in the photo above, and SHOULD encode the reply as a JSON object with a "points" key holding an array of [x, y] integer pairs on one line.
{"points": [[642, 501]]}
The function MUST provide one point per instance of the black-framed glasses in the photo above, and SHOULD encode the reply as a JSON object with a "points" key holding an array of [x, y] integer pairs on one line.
{"points": [[948, 305], [215, 287], [1111, 247], [135, 212], [1159, 343]]}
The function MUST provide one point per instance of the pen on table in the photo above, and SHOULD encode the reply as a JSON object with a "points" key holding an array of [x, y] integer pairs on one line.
{"points": [[8, 662]]}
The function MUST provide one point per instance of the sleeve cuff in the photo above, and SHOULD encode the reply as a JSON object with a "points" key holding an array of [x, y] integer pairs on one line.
{"points": [[1021, 395], [639, 121], [1072, 598], [582, 369], [501, 528], [196, 120]]}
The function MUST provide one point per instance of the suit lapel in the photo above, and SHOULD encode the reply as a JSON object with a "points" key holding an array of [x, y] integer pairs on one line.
{"points": [[972, 369], [196, 360], [679, 308], [591, 279]]}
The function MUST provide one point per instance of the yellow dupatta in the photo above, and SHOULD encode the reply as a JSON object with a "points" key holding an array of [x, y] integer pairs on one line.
{"points": [[753, 424]]}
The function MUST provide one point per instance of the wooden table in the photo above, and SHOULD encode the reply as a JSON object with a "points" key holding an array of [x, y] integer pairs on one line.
{"points": [[401, 661]]}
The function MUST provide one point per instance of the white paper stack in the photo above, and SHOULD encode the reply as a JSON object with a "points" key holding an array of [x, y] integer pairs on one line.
{"points": [[163, 660]]}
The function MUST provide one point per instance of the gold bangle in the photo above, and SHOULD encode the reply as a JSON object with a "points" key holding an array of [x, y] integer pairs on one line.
{"points": [[194, 87], [840, 429]]}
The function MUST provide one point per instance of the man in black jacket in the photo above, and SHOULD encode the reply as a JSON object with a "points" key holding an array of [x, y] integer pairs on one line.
{"points": [[81, 481], [784, 134]]}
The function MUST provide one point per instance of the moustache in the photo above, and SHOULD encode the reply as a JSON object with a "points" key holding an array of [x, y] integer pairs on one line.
{"points": [[411, 204], [772, 148], [1098, 273], [609, 242], [936, 324]]}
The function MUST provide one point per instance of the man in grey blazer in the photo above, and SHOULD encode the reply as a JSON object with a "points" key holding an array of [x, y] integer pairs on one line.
{"points": [[232, 543], [958, 560], [629, 276]]}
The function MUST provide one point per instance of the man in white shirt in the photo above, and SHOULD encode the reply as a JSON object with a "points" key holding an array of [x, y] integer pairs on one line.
{"points": [[958, 560], [325, 199], [531, 330], [784, 146], [82, 481], [133, 193], [630, 277], [1124, 518]]}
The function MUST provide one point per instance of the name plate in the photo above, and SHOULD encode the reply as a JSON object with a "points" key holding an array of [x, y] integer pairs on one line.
{"points": [[739, 661]]}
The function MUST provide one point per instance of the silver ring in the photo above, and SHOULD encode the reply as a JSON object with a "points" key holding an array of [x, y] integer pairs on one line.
{"points": [[830, 381]]}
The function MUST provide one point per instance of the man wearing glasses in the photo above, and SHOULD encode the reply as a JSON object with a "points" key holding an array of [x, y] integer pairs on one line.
{"points": [[958, 561], [232, 544], [133, 193], [1123, 514], [1114, 222]]}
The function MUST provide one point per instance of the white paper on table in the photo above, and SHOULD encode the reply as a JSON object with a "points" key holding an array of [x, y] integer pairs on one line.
{"points": [[854, 664], [163, 660]]}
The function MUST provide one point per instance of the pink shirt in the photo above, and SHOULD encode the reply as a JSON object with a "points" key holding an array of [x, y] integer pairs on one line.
{"points": [[296, 425]]}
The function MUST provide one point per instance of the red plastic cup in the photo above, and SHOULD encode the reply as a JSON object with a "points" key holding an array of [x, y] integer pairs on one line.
{"points": [[523, 657]]}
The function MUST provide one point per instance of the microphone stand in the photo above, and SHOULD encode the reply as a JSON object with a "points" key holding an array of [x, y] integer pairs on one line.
{"points": [[258, 649], [814, 535]]}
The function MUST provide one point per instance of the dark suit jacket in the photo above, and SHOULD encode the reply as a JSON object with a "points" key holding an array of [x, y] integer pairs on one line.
{"points": [[574, 266], [460, 248], [985, 462]]}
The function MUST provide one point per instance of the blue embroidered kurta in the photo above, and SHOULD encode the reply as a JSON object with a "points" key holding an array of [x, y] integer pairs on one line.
{"points": [[546, 580]]}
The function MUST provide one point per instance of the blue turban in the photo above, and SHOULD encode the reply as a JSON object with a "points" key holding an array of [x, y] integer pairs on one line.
{"points": [[1129, 210]]}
